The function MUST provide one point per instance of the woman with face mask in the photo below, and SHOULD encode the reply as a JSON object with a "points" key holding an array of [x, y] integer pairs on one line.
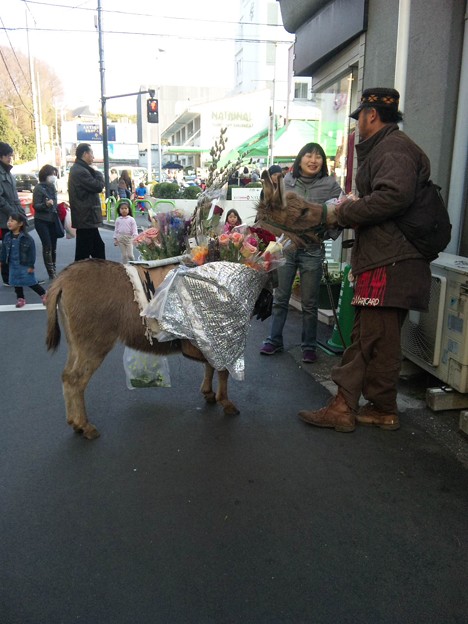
{"points": [[45, 207]]}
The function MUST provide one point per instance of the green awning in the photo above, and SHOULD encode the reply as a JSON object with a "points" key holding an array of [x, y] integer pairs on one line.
{"points": [[184, 149], [288, 141]]}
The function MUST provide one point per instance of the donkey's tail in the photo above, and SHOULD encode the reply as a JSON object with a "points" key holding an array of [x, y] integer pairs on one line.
{"points": [[53, 327]]}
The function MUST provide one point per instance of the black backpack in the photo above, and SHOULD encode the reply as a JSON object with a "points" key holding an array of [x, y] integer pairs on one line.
{"points": [[426, 223]]}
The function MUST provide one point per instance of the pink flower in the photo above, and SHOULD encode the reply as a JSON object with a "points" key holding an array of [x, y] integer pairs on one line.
{"points": [[252, 241], [147, 236], [224, 239], [236, 239], [248, 250]]}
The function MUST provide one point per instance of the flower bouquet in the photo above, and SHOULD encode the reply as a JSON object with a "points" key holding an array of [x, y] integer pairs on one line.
{"points": [[243, 245], [166, 239]]}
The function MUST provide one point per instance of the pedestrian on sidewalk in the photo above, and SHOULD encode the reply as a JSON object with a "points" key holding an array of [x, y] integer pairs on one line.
{"points": [[84, 185], [45, 211], [19, 253], [391, 276], [309, 178], [125, 230], [9, 200]]}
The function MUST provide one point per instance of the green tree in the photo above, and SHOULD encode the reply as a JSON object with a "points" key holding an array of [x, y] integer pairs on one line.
{"points": [[9, 133], [16, 95]]}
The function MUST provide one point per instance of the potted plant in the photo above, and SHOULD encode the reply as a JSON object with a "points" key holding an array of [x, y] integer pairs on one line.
{"points": [[335, 280]]}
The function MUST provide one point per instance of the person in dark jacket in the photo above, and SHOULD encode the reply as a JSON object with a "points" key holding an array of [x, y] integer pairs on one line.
{"points": [[9, 200], [45, 209], [391, 276], [84, 185]]}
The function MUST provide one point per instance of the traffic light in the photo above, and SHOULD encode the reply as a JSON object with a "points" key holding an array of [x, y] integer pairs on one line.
{"points": [[152, 110]]}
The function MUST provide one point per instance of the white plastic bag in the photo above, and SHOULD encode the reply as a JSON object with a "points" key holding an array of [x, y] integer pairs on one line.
{"points": [[145, 370], [69, 230]]}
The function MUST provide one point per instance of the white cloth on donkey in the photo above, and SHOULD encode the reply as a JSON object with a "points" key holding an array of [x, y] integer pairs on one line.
{"points": [[152, 328]]}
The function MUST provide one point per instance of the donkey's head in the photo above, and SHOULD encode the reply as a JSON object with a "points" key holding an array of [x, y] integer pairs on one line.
{"points": [[286, 212]]}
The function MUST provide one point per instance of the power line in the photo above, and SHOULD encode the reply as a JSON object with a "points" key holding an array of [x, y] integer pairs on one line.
{"points": [[14, 53], [166, 17], [13, 83], [146, 34]]}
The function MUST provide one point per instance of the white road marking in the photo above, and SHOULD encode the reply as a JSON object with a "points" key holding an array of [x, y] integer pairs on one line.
{"points": [[28, 306]]}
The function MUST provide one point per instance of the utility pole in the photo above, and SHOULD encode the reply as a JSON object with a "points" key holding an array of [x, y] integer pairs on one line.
{"points": [[34, 99], [105, 143], [104, 98]]}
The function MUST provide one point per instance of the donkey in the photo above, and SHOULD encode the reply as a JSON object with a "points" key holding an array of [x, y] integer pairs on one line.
{"points": [[286, 212], [95, 302]]}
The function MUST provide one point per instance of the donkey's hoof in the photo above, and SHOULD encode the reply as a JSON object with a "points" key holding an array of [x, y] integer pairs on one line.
{"points": [[230, 409], [210, 397], [90, 432]]}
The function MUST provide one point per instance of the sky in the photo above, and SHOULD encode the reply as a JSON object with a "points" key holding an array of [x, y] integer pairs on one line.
{"points": [[145, 42]]}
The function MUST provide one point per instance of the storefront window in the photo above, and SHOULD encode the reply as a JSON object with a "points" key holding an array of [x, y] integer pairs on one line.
{"points": [[336, 131]]}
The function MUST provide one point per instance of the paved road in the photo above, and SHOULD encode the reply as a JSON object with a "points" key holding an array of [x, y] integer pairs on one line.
{"points": [[178, 514]]}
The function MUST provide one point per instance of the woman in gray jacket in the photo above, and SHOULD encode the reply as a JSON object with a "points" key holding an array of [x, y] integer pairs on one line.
{"points": [[308, 178]]}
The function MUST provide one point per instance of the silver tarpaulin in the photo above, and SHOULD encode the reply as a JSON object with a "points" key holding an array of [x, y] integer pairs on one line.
{"points": [[211, 305]]}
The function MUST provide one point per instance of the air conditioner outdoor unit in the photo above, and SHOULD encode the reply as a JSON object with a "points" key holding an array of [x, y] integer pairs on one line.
{"points": [[437, 340]]}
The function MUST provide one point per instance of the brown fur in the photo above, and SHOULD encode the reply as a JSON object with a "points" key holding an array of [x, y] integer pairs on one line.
{"points": [[95, 302], [286, 212]]}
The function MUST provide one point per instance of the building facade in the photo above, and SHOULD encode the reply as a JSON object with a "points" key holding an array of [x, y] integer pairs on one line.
{"points": [[416, 46]]}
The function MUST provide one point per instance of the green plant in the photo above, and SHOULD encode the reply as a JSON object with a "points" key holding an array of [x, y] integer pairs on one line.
{"points": [[254, 185], [191, 192], [166, 190], [334, 277]]}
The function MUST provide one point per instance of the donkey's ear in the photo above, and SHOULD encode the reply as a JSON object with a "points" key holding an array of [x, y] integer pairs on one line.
{"points": [[282, 192], [268, 188]]}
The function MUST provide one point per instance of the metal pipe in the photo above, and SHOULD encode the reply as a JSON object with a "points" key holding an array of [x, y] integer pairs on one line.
{"points": [[401, 59], [102, 71]]}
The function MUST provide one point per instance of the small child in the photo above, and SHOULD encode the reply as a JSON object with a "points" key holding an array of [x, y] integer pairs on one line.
{"points": [[141, 194], [19, 252], [125, 230], [232, 220]]}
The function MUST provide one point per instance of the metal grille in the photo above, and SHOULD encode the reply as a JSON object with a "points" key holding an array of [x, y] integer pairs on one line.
{"points": [[420, 338]]}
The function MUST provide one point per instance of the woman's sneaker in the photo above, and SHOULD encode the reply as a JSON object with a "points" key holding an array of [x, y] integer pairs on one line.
{"points": [[20, 302], [270, 349], [309, 356]]}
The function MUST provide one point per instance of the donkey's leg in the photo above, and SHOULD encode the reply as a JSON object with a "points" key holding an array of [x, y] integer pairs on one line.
{"points": [[222, 394], [78, 371], [207, 385]]}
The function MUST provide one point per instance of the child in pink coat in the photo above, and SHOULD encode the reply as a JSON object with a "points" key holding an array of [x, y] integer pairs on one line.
{"points": [[125, 230]]}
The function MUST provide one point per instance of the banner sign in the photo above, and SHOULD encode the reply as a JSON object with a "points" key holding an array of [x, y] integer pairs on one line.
{"points": [[246, 194], [92, 132]]}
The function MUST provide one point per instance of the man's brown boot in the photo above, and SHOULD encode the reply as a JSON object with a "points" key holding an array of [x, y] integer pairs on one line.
{"points": [[369, 415], [336, 414]]}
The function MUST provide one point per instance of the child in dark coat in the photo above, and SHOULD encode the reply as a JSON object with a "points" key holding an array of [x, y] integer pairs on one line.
{"points": [[19, 252]]}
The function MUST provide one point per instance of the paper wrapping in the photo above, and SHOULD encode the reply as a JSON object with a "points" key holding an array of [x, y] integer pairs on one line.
{"points": [[210, 305]]}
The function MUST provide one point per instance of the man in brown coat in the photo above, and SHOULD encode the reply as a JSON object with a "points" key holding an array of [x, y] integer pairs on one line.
{"points": [[391, 276]]}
